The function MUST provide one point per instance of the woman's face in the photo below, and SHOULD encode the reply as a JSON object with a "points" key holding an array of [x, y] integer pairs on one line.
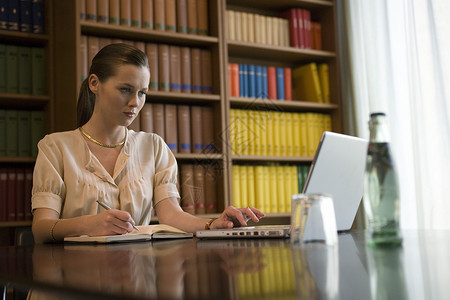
{"points": [[119, 99]]}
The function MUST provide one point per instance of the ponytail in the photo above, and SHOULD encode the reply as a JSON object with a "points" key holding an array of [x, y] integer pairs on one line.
{"points": [[85, 104]]}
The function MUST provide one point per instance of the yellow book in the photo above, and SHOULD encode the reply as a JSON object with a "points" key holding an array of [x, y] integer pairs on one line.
{"points": [[244, 25], [296, 134], [237, 26], [251, 27], [287, 188], [243, 192], [266, 182], [276, 31], [289, 134], [230, 25], [324, 82], [262, 22], [311, 134], [235, 174], [285, 32], [258, 31], [251, 195], [269, 28], [268, 116], [252, 134], [294, 183], [327, 123], [303, 135], [242, 133], [276, 133], [262, 126], [273, 185], [233, 129], [307, 84], [280, 189], [259, 187], [282, 133]]}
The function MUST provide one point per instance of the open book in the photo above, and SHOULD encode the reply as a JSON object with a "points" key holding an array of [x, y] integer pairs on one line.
{"points": [[145, 233]]}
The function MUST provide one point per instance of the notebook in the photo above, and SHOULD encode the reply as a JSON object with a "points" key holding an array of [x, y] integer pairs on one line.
{"points": [[337, 169]]}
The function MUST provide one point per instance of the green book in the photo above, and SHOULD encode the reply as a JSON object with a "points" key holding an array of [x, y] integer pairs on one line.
{"points": [[38, 70], [3, 68], [2, 132], [24, 70], [12, 69], [24, 133], [37, 130], [11, 132]]}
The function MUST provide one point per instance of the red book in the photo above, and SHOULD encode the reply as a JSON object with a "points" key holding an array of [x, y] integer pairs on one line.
{"points": [[307, 27], [272, 82], [235, 80], [291, 16], [288, 84], [12, 195], [28, 188], [3, 194], [20, 194], [187, 188], [316, 35], [301, 28]]}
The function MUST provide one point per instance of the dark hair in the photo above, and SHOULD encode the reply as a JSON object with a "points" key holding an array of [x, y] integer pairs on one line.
{"points": [[104, 65]]}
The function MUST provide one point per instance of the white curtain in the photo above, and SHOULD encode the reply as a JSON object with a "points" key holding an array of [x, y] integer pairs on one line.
{"points": [[395, 58]]}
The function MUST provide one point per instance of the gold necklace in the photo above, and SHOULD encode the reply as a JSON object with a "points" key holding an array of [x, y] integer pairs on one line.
{"points": [[100, 143]]}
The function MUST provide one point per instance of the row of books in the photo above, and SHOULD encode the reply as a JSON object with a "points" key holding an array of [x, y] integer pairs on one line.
{"points": [[276, 133], [261, 82], [15, 193], [276, 278], [267, 187], [311, 83], [22, 70], [20, 131], [198, 188], [256, 28], [22, 15], [183, 16], [185, 128], [173, 68], [293, 27]]}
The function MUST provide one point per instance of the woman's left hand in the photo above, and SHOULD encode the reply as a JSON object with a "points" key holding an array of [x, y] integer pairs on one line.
{"points": [[237, 217]]}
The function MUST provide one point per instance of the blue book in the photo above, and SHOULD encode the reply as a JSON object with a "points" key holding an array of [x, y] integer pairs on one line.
{"points": [[3, 15], [244, 82], [265, 88], [241, 80], [251, 81], [259, 82], [25, 17], [37, 8], [13, 15], [280, 84]]}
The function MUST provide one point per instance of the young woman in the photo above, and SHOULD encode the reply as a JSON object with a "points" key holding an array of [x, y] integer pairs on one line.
{"points": [[131, 172]]}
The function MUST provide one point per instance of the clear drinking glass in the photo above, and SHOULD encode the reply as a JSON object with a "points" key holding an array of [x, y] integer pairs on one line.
{"points": [[313, 220]]}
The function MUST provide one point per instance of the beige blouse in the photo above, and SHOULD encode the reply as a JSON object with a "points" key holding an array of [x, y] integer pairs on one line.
{"points": [[69, 179]]}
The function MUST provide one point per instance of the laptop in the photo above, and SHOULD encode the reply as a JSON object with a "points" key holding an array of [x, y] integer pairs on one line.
{"points": [[337, 169]]}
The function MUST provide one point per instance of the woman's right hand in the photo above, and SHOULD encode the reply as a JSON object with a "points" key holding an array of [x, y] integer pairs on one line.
{"points": [[110, 222]]}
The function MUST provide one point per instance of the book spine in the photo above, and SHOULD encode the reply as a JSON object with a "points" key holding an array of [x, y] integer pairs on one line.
{"points": [[187, 188], [251, 199], [13, 15], [273, 189], [182, 26], [316, 31], [91, 11], [25, 15], [234, 80], [24, 133], [184, 128], [3, 139], [3, 66], [262, 124], [38, 81], [272, 82], [266, 187], [152, 53], [3, 15], [28, 189], [12, 132], [231, 35], [114, 12], [160, 15], [147, 117], [252, 81], [243, 186], [265, 87], [3, 194], [307, 27], [206, 74], [236, 182], [12, 195], [158, 119], [192, 16], [269, 28], [282, 133], [83, 64], [170, 126], [185, 70], [136, 13], [241, 80], [37, 130], [296, 134], [202, 17], [164, 67], [125, 13], [196, 70], [12, 69], [288, 84], [208, 129], [103, 11], [170, 11], [259, 188], [280, 83], [244, 83], [196, 129], [291, 16], [25, 71], [199, 182], [259, 82], [289, 134], [175, 71], [210, 189], [281, 196], [301, 27], [147, 14], [20, 194]]}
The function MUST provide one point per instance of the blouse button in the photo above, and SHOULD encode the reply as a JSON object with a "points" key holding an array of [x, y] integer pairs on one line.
{"points": [[105, 178], [90, 169]]}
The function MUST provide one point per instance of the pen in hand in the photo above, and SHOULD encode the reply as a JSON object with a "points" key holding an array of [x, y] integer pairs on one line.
{"points": [[105, 206]]}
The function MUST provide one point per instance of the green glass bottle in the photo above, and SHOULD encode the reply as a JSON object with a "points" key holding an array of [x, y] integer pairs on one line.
{"points": [[381, 191]]}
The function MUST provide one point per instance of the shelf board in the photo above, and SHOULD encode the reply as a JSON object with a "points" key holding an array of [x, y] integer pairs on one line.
{"points": [[146, 35], [265, 158], [156, 96], [19, 101], [17, 159], [198, 156], [266, 53], [275, 105], [24, 38]]}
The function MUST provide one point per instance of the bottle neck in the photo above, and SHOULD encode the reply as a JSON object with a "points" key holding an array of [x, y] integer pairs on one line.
{"points": [[378, 129]]}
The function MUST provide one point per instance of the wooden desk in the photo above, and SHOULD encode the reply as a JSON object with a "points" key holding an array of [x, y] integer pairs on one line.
{"points": [[236, 269]]}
